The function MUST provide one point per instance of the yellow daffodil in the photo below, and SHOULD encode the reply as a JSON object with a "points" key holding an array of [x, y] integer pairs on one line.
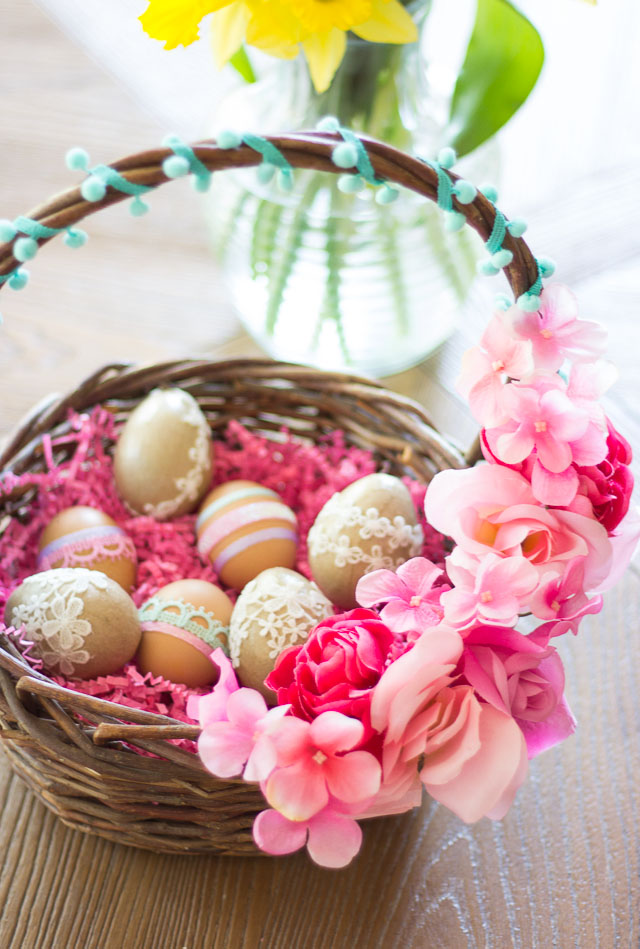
{"points": [[281, 27]]}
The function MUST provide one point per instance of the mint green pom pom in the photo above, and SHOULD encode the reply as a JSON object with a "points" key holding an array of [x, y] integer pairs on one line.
{"points": [[77, 159], [447, 157], [265, 172], [25, 248], [285, 179], [529, 302], [19, 279], [76, 238], [487, 268], [175, 166], [490, 192], [386, 195], [454, 221], [464, 191], [517, 227], [503, 301], [547, 267], [138, 207], [502, 258], [229, 139], [345, 155], [7, 230], [328, 123], [92, 189], [350, 184]]}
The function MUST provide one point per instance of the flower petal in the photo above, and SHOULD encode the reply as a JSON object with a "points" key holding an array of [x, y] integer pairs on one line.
{"points": [[379, 586], [332, 732], [299, 791], [389, 23], [334, 839], [276, 835], [324, 52], [224, 749], [354, 777]]}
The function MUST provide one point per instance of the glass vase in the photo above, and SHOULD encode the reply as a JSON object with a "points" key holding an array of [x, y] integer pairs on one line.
{"points": [[330, 279]]}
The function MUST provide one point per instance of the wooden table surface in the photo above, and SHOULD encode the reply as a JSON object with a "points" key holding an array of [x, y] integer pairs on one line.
{"points": [[562, 868]]}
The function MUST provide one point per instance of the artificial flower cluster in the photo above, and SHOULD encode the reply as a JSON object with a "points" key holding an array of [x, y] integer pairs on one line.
{"points": [[428, 684]]}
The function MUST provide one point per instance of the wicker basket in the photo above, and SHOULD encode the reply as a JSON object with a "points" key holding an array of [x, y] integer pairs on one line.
{"points": [[77, 752]]}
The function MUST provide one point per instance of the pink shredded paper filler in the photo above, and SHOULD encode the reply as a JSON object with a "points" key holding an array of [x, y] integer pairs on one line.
{"points": [[304, 475]]}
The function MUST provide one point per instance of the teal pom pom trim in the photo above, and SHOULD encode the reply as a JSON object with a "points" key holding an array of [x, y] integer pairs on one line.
{"points": [[201, 184], [546, 266], [464, 191], [447, 157], [138, 207], [350, 184], [228, 139], [75, 238], [25, 248], [502, 258], [529, 302], [92, 189], [175, 166], [285, 179], [345, 155], [387, 195], [490, 192], [517, 227], [265, 172], [77, 159], [328, 123], [503, 301], [8, 230], [19, 279], [454, 221], [487, 268]]}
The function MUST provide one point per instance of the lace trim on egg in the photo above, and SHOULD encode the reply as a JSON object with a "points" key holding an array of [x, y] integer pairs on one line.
{"points": [[52, 616], [370, 524], [284, 615], [82, 548], [158, 610], [189, 485]]}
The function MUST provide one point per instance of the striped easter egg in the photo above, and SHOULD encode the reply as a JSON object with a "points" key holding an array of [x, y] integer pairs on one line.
{"points": [[244, 528]]}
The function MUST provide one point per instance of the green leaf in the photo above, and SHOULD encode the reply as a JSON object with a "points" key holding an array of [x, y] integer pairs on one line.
{"points": [[501, 67], [242, 64]]}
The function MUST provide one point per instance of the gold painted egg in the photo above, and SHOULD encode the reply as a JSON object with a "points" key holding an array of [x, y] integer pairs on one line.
{"points": [[369, 525], [244, 528], [82, 622], [85, 537], [276, 609], [163, 459], [181, 626]]}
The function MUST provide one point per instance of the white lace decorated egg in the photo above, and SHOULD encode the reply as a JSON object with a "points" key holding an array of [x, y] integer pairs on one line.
{"points": [[162, 462], [82, 622], [276, 609], [371, 524]]}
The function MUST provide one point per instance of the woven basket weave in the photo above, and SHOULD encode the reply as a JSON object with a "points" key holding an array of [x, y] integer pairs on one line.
{"points": [[78, 753]]}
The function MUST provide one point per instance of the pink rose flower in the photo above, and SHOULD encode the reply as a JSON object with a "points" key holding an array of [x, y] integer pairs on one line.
{"points": [[412, 602], [473, 756], [490, 508], [521, 676], [336, 668], [492, 590], [556, 333], [315, 760]]}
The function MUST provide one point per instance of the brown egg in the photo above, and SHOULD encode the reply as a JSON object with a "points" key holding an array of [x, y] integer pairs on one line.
{"points": [[371, 524], [82, 622], [162, 462], [85, 537], [277, 609], [244, 528], [181, 626]]}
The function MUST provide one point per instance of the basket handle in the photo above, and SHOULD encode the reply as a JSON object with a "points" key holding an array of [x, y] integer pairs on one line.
{"points": [[308, 150]]}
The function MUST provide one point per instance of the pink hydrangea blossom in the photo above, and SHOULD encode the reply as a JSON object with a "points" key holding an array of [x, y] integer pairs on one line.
{"points": [[213, 706], [491, 589], [491, 508], [562, 596], [486, 368], [521, 676], [556, 333], [315, 761], [332, 837], [412, 601]]}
